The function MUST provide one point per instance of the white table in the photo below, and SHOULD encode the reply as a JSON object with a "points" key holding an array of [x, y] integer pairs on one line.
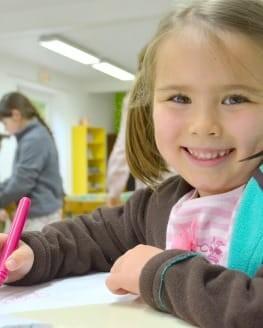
{"points": [[82, 302]]}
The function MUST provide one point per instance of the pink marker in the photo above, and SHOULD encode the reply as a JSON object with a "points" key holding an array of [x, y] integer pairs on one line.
{"points": [[14, 235]]}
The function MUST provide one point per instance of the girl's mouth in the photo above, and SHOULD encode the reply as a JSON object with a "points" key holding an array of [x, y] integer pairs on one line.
{"points": [[207, 156]]}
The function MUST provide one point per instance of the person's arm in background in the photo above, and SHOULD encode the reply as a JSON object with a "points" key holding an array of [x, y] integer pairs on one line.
{"points": [[33, 154], [4, 183], [3, 213], [118, 170]]}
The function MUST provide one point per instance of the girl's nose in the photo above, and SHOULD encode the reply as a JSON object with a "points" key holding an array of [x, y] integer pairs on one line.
{"points": [[205, 123]]}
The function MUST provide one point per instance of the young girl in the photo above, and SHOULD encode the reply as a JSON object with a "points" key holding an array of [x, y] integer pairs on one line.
{"points": [[193, 246], [35, 169]]}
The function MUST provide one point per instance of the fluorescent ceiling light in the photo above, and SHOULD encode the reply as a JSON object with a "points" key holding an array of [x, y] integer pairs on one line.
{"points": [[65, 49], [114, 71]]}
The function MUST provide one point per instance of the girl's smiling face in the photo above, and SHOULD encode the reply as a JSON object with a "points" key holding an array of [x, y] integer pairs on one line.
{"points": [[208, 108]]}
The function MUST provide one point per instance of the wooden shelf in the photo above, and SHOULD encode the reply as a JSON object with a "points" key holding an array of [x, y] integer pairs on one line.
{"points": [[88, 153]]}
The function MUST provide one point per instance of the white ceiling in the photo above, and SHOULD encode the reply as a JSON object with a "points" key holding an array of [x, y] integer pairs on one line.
{"points": [[112, 29]]}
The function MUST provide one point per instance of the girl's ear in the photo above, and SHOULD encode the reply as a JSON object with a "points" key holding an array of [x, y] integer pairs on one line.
{"points": [[16, 115]]}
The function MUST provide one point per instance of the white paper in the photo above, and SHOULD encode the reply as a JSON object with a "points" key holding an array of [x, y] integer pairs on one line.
{"points": [[8, 321], [61, 293]]}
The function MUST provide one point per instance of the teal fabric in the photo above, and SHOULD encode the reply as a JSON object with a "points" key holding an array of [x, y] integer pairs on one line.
{"points": [[246, 246], [173, 261]]}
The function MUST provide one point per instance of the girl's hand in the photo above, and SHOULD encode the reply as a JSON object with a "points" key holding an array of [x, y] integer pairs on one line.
{"points": [[19, 262], [125, 273]]}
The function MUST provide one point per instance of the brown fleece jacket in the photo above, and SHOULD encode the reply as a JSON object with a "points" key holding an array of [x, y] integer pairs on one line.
{"points": [[174, 281]]}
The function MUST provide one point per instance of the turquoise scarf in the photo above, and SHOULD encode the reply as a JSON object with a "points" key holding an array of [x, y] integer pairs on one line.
{"points": [[246, 246]]}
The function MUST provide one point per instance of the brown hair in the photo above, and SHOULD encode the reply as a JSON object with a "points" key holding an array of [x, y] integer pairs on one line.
{"points": [[16, 100], [240, 16]]}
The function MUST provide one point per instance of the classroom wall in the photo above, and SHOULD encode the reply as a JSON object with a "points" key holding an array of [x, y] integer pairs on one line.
{"points": [[66, 103]]}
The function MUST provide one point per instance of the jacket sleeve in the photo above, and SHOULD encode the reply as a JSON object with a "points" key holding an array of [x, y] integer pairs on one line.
{"points": [[33, 155], [87, 243], [186, 285]]}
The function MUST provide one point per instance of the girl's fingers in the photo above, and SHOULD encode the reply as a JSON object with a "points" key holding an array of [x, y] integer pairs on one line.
{"points": [[23, 256], [19, 256], [113, 284], [116, 266], [111, 281], [19, 262]]}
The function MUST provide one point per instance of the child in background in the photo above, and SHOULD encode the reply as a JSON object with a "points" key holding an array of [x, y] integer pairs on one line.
{"points": [[118, 170], [35, 169], [192, 246]]}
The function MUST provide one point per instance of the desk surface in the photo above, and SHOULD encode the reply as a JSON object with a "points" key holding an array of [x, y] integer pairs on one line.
{"points": [[128, 315], [80, 301]]}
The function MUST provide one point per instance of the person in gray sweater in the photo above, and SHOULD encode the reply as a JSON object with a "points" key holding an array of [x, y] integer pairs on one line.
{"points": [[35, 171]]}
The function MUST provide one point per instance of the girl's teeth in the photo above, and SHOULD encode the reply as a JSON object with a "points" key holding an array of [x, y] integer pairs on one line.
{"points": [[208, 155]]}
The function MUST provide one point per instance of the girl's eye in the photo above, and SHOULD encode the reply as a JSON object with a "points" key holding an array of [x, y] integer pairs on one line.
{"points": [[235, 99], [180, 99]]}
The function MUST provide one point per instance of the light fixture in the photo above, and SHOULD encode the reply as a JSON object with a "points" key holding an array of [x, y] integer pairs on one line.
{"points": [[113, 71], [67, 49], [64, 48]]}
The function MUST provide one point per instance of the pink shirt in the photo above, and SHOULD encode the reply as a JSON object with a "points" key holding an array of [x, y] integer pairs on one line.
{"points": [[203, 224]]}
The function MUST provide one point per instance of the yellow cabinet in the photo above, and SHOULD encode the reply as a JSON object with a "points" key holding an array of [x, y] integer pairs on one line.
{"points": [[89, 159]]}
